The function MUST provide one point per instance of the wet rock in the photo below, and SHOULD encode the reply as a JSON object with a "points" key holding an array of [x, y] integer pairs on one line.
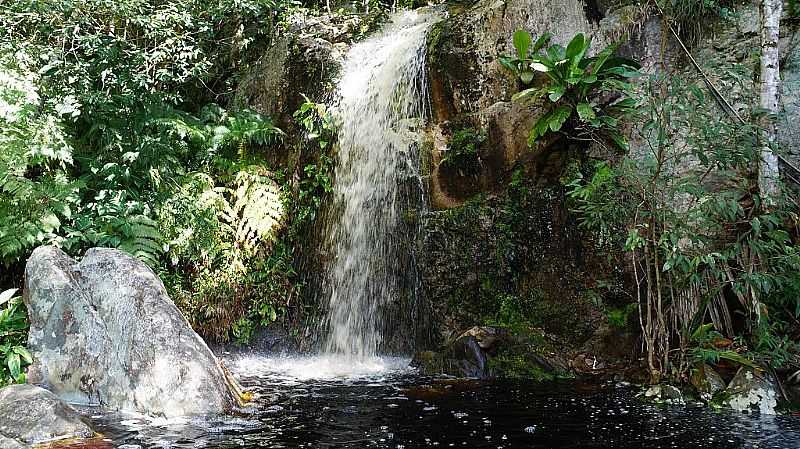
{"points": [[752, 391], [8, 443], [105, 332], [463, 49], [707, 381], [587, 363], [30, 415], [462, 358], [663, 393], [469, 87], [485, 352], [294, 66], [487, 337]]}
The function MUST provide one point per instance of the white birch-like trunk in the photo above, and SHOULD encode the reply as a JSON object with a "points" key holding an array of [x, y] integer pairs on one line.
{"points": [[768, 173]]}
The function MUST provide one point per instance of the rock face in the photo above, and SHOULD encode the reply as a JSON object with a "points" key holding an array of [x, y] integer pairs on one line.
{"points": [[105, 332], [31, 415], [487, 352], [513, 258], [752, 391], [470, 89]]}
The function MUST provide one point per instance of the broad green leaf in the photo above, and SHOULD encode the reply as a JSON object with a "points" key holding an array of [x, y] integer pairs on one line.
{"points": [[559, 116], [13, 363], [622, 71], [576, 49], [528, 94], [585, 111], [539, 128], [539, 67], [522, 42], [26, 356], [599, 61], [541, 42], [509, 63], [556, 53], [7, 295], [556, 92], [526, 76], [737, 358]]}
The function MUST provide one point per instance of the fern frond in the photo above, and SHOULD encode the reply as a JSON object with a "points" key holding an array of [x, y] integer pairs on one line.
{"points": [[256, 209]]}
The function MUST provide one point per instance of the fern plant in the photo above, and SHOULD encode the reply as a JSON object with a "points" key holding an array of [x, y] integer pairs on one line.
{"points": [[577, 87], [36, 193], [256, 207]]}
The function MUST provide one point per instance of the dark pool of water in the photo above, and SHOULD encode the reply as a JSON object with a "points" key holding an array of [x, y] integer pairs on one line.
{"points": [[305, 406]]}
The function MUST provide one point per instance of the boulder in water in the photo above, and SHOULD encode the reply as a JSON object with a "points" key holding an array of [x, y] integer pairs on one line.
{"points": [[663, 393], [752, 391], [105, 332], [462, 358], [707, 381], [30, 415], [486, 352]]}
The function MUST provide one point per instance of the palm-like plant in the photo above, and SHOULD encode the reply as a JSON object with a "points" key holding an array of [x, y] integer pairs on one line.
{"points": [[592, 90]]}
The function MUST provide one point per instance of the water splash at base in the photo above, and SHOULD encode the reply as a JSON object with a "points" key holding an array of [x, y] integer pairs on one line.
{"points": [[323, 367]]}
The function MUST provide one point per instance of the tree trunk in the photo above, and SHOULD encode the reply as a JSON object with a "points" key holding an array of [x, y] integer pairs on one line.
{"points": [[768, 174]]}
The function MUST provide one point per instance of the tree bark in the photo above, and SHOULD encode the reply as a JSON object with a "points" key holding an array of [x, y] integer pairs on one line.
{"points": [[768, 173]]}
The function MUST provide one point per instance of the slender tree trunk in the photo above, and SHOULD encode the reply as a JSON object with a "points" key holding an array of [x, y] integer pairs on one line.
{"points": [[768, 174]]}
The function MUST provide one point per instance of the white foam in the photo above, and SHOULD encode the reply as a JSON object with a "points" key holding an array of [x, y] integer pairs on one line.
{"points": [[322, 367]]}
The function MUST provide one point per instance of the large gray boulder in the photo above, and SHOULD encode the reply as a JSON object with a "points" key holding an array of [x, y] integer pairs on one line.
{"points": [[105, 332], [752, 390], [30, 415]]}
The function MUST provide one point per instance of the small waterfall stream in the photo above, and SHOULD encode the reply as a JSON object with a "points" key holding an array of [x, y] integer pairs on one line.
{"points": [[382, 95]]}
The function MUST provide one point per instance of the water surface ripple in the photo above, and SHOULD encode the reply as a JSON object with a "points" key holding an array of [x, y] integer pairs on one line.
{"points": [[335, 403]]}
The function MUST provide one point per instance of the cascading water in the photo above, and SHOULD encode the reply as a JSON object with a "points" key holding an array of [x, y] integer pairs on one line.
{"points": [[382, 95]]}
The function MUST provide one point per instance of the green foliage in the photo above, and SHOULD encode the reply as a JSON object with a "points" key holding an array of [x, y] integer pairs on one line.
{"points": [[216, 233], [701, 246], [691, 17], [317, 123], [598, 203], [13, 335], [577, 87], [94, 118], [705, 341], [36, 192], [462, 154], [316, 181], [620, 317], [112, 135], [517, 366]]}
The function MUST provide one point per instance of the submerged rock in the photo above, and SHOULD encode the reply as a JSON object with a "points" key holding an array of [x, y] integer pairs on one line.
{"points": [[752, 391], [30, 415], [105, 332]]}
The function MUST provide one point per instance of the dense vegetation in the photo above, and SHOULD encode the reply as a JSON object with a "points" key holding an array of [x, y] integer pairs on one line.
{"points": [[117, 129], [114, 132], [716, 267]]}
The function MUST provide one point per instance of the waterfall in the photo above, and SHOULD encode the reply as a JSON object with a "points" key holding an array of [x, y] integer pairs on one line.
{"points": [[381, 102]]}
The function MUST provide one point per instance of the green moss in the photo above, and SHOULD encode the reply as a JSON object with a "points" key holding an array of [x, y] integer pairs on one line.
{"points": [[434, 41], [462, 153], [519, 367]]}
